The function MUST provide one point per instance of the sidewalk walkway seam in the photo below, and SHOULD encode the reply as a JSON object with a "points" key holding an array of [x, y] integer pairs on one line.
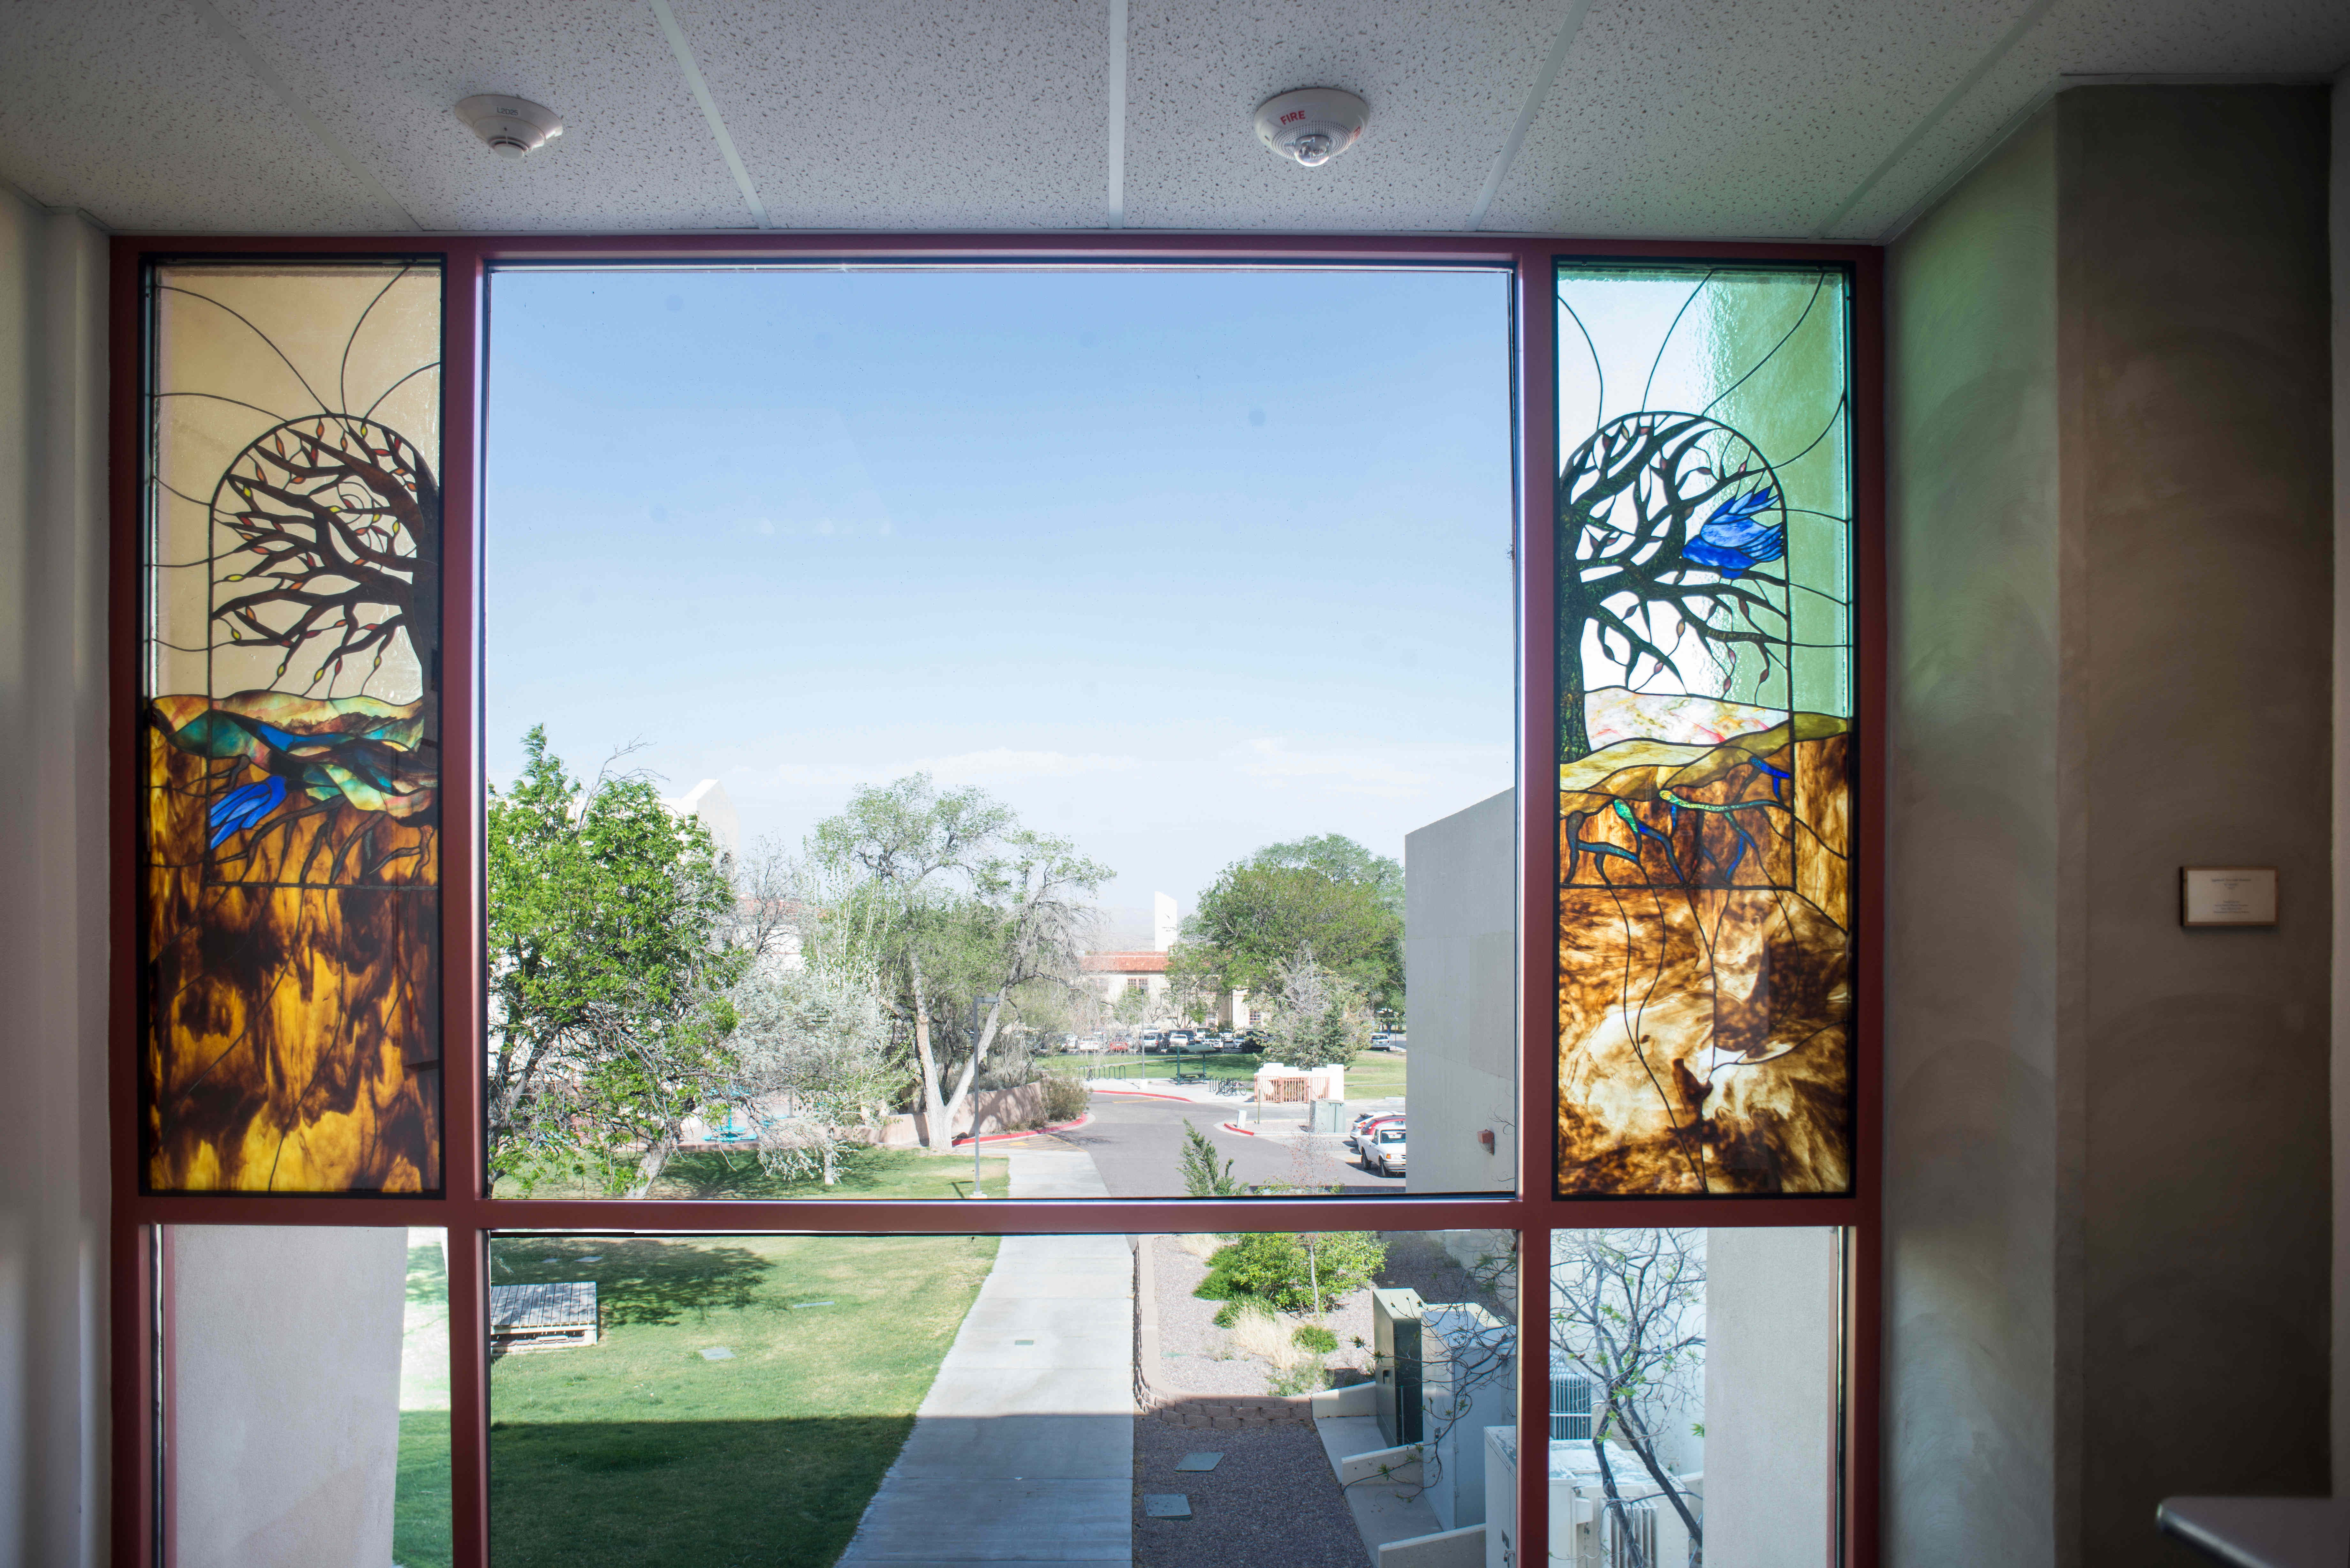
{"points": [[1024, 1452]]}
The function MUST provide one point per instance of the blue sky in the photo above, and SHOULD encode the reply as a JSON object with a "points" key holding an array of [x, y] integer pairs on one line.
{"points": [[1176, 563]]}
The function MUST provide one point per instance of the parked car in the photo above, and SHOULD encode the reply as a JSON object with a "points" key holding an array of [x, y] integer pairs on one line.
{"points": [[1178, 1040], [1386, 1042], [1383, 1149], [1369, 1122]]}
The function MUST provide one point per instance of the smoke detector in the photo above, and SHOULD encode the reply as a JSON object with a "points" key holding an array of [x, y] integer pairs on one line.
{"points": [[512, 126], [1312, 125]]}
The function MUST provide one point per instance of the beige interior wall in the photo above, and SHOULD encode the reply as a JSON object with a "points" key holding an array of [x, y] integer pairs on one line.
{"points": [[2194, 376], [1970, 1459], [53, 888], [2109, 1240]]}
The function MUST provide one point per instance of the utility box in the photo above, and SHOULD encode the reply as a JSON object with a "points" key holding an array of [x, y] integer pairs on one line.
{"points": [[1396, 1354], [1327, 1116], [1469, 1382]]}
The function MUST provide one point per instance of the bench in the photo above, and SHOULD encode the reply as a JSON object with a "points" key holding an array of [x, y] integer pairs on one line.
{"points": [[543, 1316]]}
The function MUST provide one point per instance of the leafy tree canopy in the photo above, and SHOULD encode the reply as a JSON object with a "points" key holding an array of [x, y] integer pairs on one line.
{"points": [[1258, 917], [970, 913], [1341, 859], [610, 957]]}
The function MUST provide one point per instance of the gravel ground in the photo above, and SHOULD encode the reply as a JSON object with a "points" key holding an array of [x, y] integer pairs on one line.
{"points": [[1272, 1500], [1198, 1357]]}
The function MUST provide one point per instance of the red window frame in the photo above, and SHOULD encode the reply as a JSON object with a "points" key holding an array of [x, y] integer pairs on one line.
{"points": [[138, 1242]]}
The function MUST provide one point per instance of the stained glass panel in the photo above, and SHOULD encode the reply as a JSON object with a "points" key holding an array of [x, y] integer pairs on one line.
{"points": [[1705, 705], [290, 832]]}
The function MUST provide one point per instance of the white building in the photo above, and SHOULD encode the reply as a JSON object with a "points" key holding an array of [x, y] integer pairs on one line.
{"points": [[1461, 976], [709, 804]]}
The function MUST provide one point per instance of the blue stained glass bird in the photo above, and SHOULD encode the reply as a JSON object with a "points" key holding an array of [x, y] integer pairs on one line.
{"points": [[1735, 539], [245, 806]]}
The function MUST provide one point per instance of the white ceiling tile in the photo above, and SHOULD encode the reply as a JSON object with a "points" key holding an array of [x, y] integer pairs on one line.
{"points": [[2092, 38], [903, 114], [1445, 81], [136, 112], [386, 74], [1670, 118], [1694, 118]]}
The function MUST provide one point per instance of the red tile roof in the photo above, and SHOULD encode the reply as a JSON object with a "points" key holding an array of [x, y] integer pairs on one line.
{"points": [[1124, 964]]}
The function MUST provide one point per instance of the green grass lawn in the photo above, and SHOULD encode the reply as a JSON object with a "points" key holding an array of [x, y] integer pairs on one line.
{"points": [[420, 1508], [864, 1173], [636, 1449], [1373, 1075]]}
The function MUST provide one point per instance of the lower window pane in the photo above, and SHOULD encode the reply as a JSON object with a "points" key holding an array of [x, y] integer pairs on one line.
{"points": [[306, 1396], [1694, 1379], [858, 1400]]}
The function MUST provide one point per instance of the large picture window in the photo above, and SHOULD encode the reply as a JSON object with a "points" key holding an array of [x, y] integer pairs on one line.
{"points": [[870, 899]]}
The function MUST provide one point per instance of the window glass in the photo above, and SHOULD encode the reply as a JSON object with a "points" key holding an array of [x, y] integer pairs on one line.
{"points": [[290, 734], [1158, 1400], [823, 823], [1695, 1398], [306, 1396], [1704, 666]]}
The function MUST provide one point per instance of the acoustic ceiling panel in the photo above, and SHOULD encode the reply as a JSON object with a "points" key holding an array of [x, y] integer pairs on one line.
{"points": [[1684, 117], [142, 114], [1765, 119], [387, 75], [1445, 81], [2155, 39], [901, 114]]}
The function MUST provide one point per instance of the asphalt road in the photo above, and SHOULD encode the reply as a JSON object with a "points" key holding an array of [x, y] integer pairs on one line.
{"points": [[1138, 1145]]}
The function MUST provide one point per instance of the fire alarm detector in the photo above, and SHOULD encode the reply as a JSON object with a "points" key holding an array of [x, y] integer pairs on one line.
{"points": [[511, 126], [1312, 125]]}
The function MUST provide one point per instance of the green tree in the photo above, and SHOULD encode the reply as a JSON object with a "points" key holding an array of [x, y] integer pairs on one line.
{"points": [[1317, 1017], [609, 963], [1256, 917], [964, 903], [1341, 859]]}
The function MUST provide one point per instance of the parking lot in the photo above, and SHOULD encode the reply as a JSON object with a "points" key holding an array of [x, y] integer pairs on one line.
{"points": [[1138, 1145]]}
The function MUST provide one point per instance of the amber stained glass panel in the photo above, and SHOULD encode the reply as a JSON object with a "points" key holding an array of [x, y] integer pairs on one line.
{"points": [[1705, 706], [290, 829]]}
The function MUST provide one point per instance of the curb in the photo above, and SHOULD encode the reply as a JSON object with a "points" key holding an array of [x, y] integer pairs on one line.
{"points": [[1032, 1132], [1147, 1095], [1236, 1127]]}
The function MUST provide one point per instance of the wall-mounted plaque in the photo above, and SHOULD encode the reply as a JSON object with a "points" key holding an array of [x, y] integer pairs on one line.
{"points": [[2227, 895]]}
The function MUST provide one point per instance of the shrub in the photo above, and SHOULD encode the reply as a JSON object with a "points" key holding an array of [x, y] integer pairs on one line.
{"points": [[1065, 1098], [1284, 1271], [1293, 1380], [1202, 1177], [1313, 1336]]}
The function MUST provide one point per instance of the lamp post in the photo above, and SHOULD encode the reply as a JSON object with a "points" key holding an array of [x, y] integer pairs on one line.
{"points": [[976, 1003]]}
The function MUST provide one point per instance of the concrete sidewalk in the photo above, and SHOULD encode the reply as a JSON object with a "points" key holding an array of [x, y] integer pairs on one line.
{"points": [[1023, 1450]]}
